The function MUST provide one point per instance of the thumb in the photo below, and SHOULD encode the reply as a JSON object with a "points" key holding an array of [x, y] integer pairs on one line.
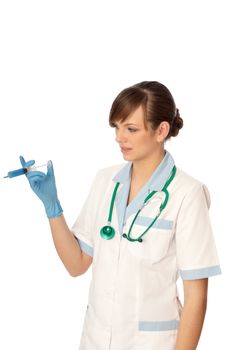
{"points": [[50, 171]]}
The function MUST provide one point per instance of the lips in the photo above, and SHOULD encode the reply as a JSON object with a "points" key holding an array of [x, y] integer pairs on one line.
{"points": [[125, 149]]}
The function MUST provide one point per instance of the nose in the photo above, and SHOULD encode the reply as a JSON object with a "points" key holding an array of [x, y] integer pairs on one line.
{"points": [[120, 136]]}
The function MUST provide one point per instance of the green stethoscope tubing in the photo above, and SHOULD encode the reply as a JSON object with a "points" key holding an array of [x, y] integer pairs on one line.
{"points": [[108, 232]]}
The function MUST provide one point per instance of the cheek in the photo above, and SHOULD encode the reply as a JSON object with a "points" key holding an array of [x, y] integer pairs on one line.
{"points": [[144, 142], [140, 139]]}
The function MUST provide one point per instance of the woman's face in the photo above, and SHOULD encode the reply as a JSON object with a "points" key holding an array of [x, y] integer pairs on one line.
{"points": [[135, 141]]}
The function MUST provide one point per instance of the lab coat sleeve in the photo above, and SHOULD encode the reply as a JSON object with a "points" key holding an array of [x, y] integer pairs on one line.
{"points": [[195, 246], [84, 224]]}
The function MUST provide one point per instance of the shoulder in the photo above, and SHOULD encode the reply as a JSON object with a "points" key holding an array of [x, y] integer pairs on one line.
{"points": [[186, 179], [189, 185]]}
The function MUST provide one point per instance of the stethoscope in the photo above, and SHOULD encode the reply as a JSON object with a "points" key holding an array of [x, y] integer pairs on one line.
{"points": [[108, 232]]}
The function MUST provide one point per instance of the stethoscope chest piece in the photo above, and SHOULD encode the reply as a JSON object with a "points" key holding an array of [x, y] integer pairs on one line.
{"points": [[107, 232]]}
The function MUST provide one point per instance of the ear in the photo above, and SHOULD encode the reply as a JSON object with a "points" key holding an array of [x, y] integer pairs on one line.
{"points": [[162, 131]]}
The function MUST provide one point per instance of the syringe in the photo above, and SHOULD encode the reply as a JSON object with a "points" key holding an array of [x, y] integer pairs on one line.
{"points": [[22, 171]]}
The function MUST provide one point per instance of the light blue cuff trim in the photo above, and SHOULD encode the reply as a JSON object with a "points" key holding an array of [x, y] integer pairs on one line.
{"points": [[158, 325], [160, 223], [200, 273], [85, 247]]}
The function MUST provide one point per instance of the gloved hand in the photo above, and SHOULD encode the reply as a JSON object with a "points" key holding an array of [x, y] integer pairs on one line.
{"points": [[44, 186]]}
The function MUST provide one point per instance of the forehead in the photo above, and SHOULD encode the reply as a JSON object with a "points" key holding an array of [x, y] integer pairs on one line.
{"points": [[136, 117]]}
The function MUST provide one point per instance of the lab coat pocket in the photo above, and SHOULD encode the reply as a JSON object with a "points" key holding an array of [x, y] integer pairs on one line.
{"points": [[157, 308], [156, 240]]}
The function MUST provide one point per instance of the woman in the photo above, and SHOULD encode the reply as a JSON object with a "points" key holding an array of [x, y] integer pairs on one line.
{"points": [[144, 223]]}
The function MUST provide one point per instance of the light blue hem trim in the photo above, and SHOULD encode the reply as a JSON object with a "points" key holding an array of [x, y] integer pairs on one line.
{"points": [[157, 326], [160, 223], [200, 273], [85, 247]]}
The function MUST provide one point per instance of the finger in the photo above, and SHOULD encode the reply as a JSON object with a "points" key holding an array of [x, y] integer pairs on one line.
{"points": [[50, 171], [22, 161], [29, 163], [35, 175], [26, 164]]}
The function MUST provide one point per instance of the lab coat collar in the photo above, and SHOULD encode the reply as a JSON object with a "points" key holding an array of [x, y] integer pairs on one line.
{"points": [[156, 182], [157, 179]]}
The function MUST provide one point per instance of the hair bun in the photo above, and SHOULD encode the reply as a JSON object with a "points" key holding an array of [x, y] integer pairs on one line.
{"points": [[177, 124]]}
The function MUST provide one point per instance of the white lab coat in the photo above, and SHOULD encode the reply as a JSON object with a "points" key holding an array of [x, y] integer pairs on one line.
{"points": [[133, 299]]}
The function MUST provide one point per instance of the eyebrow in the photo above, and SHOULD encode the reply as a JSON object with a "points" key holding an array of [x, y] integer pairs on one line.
{"points": [[128, 124]]}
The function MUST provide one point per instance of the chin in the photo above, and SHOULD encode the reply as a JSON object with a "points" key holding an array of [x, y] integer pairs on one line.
{"points": [[129, 158]]}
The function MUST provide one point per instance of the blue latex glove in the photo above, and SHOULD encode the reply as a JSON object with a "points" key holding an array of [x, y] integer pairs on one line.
{"points": [[44, 186]]}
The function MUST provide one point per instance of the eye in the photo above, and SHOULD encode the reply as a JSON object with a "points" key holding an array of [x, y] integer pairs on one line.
{"points": [[132, 130]]}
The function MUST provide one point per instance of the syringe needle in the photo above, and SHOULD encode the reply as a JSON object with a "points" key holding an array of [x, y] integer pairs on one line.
{"points": [[34, 167]]}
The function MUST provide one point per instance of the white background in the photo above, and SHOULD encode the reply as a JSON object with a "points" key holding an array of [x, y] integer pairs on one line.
{"points": [[61, 65]]}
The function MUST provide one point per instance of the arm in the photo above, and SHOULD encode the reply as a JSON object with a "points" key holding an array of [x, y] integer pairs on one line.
{"points": [[68, 248], [193, 314]]}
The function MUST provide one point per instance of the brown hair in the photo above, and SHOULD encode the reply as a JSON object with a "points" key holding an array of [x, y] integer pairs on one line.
{"points": [[157, 102]]}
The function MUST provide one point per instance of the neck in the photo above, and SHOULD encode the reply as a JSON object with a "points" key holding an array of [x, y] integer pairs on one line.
{"points": [[142, 169]]}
